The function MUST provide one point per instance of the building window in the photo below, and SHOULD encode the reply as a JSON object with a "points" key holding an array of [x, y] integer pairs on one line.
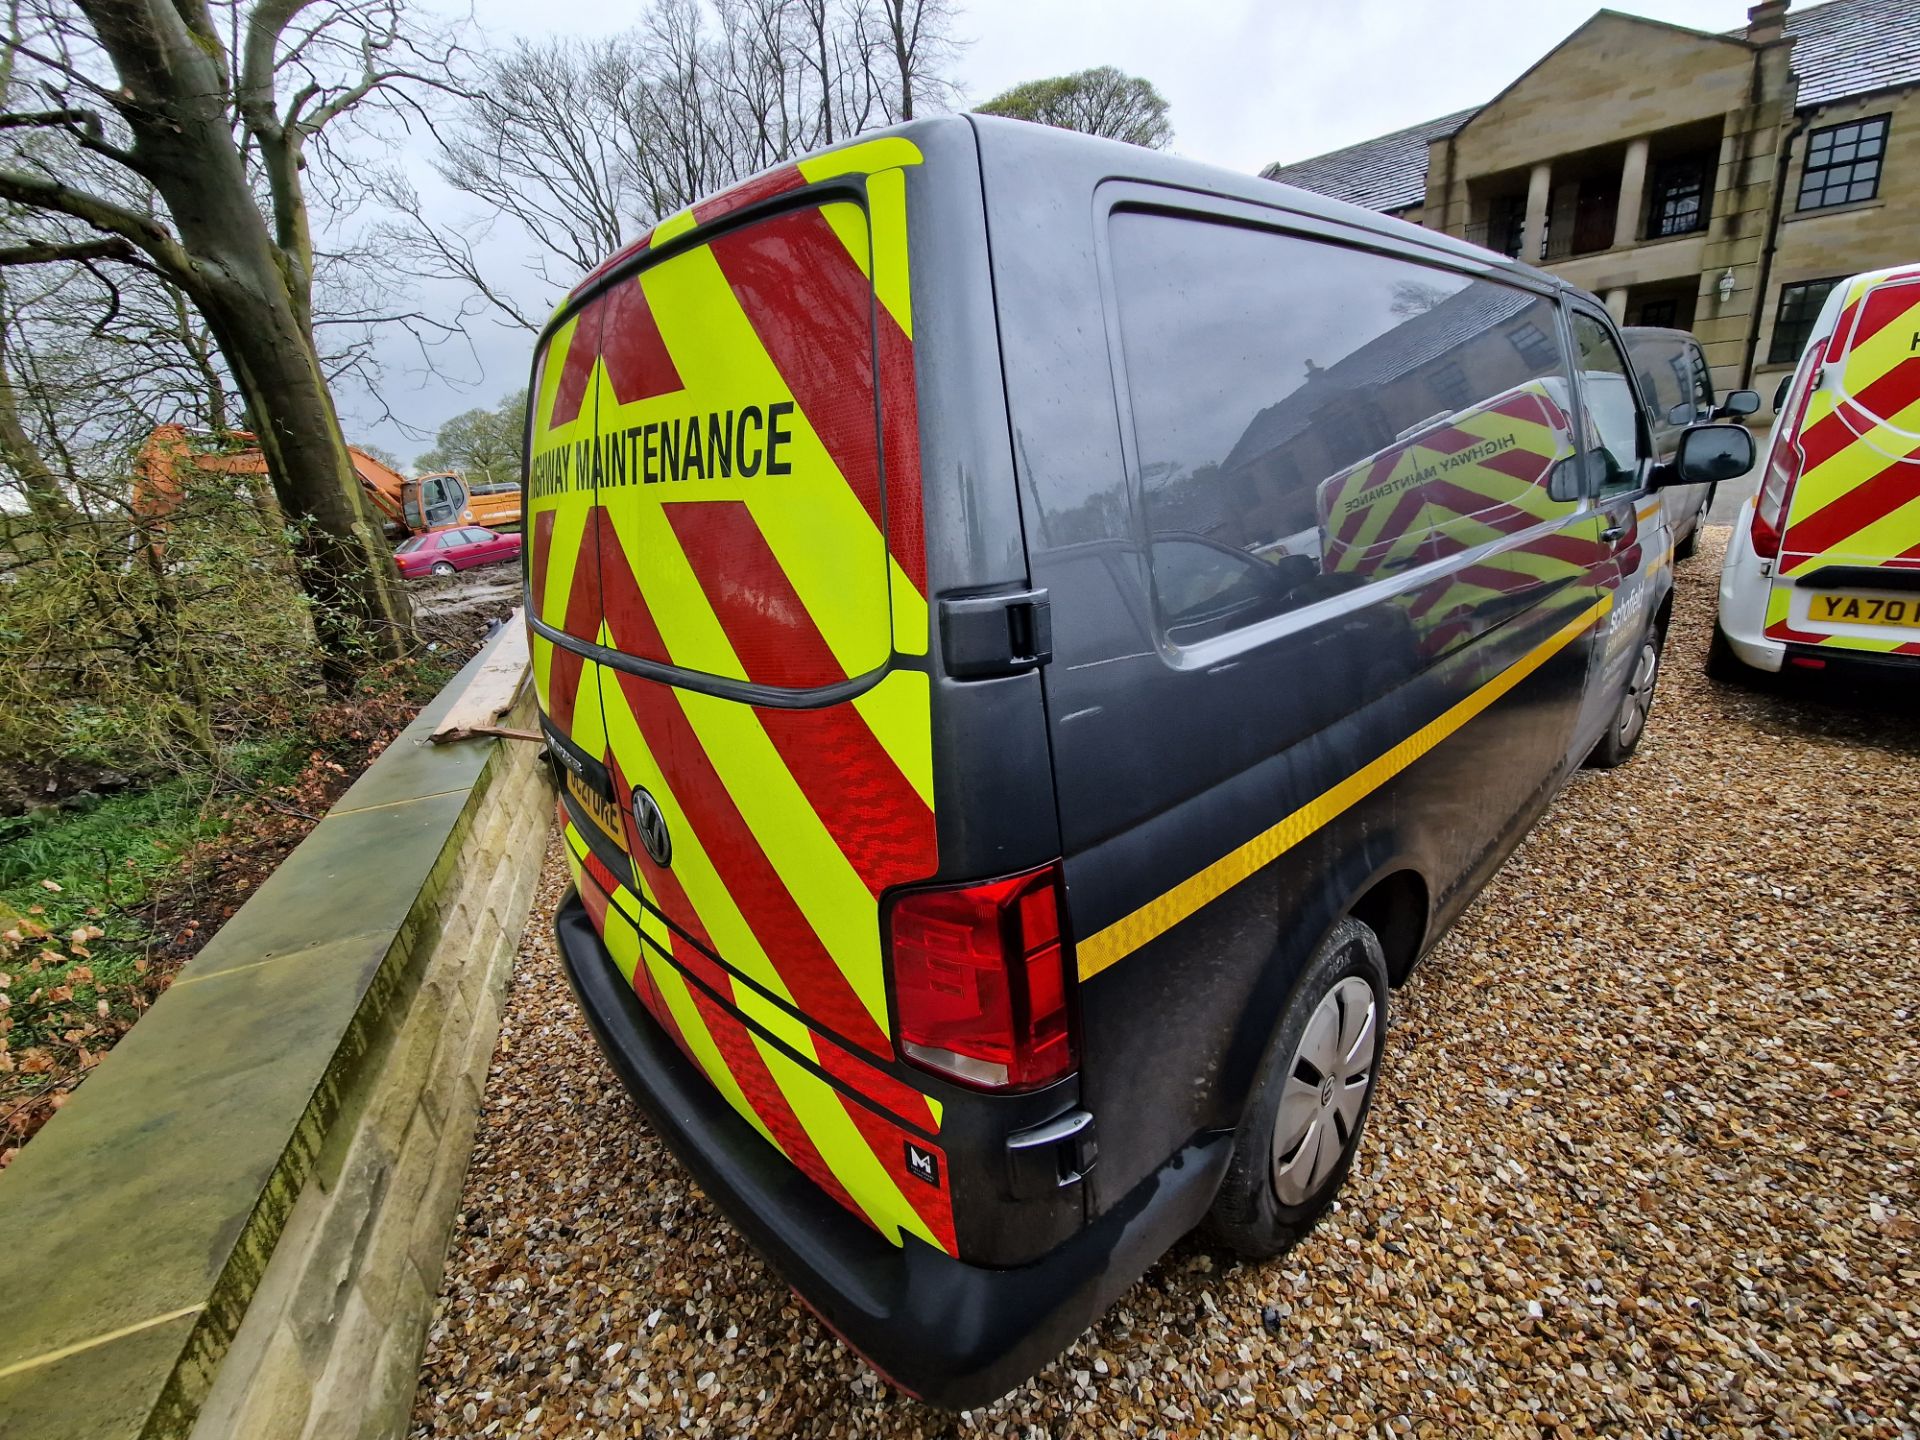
{"points": [[1449, 383], [1679, 200], [1659, 312], [1843, 163], [1799, 308], [1506, 222], [1534, 346]]}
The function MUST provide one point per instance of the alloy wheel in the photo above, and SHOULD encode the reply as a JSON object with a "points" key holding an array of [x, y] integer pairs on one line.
{"points": [[1326, 1091], [1639, 696]]}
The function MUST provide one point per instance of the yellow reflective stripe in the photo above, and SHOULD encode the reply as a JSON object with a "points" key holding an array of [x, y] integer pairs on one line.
{"points": [[706, 1053], [589, 727], [890, 152], [911, 617], [1882, 352], [542, 656], [706, 893], [1168, 909], [823, 1115], [672, 227], [887, 200], [897, 711], [823, 883], [1892, 534], [551, 366], [564, 551], [721, 360]]}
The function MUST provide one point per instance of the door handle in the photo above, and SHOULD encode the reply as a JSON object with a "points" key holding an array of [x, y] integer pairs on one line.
{"points": [[1613, 530]]}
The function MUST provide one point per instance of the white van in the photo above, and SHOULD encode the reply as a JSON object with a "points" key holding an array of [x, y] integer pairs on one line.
{"points": [[1823, 570]]}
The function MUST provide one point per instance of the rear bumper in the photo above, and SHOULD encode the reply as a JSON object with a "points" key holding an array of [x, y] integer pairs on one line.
{"points": [[1745, 585], [954, 1334], [1861, 664]]}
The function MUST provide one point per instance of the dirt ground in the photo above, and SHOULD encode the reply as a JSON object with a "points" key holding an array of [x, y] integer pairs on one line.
{"points": [[1644, 1162], [456, 611]]}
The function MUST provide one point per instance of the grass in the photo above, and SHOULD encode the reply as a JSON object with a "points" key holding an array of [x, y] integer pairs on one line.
{"points": [[100, 901], [95, 867]]}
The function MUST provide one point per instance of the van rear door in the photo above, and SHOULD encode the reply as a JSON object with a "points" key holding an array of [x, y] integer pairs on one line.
{"points": [[762, 613], [1851, 543]]}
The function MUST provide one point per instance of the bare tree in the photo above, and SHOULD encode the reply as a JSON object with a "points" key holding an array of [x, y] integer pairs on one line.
{"points": [[1100, 101], [571, 148], [219, 109], [919, 36]]}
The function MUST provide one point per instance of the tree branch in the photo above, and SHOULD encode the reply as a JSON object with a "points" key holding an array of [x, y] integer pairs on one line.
{"points": [[41, 193], [45, 252]]}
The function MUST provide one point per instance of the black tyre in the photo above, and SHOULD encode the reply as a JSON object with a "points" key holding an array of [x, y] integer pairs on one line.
{"points": [[1683, 549], [1629, 722], [441, 567], [1722, 664], [1303, 1123]]}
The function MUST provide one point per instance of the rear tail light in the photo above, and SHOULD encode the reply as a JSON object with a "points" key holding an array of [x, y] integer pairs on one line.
{"points": [[980, 975], [1784, 464]]}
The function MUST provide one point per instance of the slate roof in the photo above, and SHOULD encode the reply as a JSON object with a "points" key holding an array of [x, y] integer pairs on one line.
{"points": [[1853, 47], [1841, 48], [1446, 328], [1389, 173]]}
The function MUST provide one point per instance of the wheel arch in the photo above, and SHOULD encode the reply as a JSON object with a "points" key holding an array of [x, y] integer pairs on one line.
{"points": [[1398, 907], [1374, 882]]}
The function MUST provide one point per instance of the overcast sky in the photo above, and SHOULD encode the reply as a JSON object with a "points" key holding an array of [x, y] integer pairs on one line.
{"points": [[1249, 82]]}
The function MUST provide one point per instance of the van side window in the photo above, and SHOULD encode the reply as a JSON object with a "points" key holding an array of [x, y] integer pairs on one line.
{"points": [[1613, 418], [1308, 417]]}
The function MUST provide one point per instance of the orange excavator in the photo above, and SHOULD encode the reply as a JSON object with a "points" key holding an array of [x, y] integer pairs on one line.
{"points": [[410, 507]]}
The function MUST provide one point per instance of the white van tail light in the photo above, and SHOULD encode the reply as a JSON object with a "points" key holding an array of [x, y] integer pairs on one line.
{"points": [[980, 975], [1784, 462]]}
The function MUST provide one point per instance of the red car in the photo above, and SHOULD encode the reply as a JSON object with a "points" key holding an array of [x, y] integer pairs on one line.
{"points": [[441, 552]]}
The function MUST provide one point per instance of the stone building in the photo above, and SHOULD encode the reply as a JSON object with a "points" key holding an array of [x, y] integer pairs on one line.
{"points": [[1718, 183]]}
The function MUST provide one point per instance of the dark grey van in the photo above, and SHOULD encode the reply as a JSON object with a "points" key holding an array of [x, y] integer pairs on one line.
{"points": [[1040, 637], [1678, 387]]}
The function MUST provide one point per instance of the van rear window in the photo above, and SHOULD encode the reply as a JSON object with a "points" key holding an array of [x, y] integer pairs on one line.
{"points": [[1308, 416], [752, 430]]}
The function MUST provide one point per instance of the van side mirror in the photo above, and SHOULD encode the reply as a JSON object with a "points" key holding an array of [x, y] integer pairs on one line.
{"points": [[1738, 402], [1780, 395], [1578, 476], [1707, 455]]}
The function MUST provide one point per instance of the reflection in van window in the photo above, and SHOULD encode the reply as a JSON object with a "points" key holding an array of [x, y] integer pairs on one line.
{"points": [[1335, 414], [1609, 397]]}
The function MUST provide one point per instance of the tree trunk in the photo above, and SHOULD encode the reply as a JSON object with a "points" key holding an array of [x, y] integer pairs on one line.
{"points": [[360, 611], [254, 295]]}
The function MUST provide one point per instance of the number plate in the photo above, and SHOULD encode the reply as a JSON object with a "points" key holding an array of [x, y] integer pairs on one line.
{"points": [[602, 812], [1840, 609]]}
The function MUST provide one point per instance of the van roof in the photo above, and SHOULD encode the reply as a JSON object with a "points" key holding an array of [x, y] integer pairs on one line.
{"points": [[1040, 145], [1045, 145]]}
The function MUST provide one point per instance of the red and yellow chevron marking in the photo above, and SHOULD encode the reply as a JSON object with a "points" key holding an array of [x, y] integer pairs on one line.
{"points": [[1475, 479], [743, 410], [1857, 501], [836, 1117]]}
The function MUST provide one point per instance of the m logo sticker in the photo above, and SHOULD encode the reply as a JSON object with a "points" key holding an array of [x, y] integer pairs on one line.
{"points": [[923, 1164]]}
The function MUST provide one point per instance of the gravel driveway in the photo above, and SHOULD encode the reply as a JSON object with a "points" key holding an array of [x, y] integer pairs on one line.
{"points": [[1647, 1161]]}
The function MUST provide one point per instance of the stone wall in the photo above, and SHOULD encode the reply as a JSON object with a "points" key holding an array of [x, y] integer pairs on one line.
{"points": [[240, 1221]]}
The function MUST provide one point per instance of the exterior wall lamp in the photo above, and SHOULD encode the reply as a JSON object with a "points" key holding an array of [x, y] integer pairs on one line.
{"points": [[1724, 287]]}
